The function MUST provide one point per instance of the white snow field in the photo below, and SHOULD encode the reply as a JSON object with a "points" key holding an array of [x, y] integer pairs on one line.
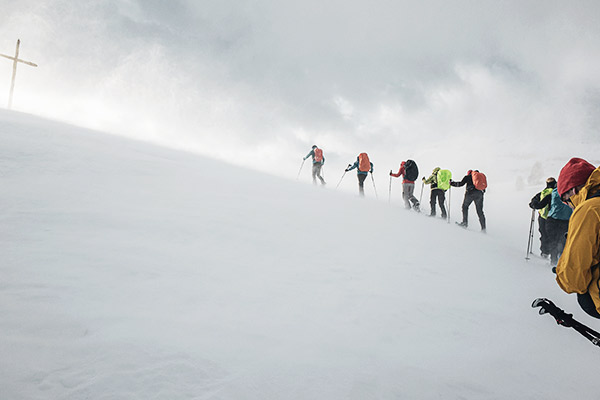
{"points": [[131, 271]]}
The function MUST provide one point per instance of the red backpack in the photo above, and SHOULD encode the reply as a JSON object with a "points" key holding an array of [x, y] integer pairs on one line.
{"points": [[479, 180], [318, 155], [364, 165]]}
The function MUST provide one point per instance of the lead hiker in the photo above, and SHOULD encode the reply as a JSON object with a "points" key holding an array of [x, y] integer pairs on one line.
{"points": [[541, 202], [578, 267], [409, 172], [476, 184], [317, 163], [363, 166], [439, 182]]}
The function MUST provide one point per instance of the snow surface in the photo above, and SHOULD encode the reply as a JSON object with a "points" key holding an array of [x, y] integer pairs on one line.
{"points": [[136, 272]]}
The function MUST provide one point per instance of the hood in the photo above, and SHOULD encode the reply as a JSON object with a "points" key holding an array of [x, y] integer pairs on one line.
{"points": [[591, 187]]}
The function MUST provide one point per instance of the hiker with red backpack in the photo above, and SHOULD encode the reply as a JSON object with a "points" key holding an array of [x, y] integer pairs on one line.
{"points": [[409, 172], [363, 166], [318, 160], [476, 184]]}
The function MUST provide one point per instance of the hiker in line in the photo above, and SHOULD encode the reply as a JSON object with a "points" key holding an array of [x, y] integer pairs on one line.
{"points": [[363, 166], [437, 195], [410, 172], [317, 162], [472, 194], [541, 202], [577, 270], [557, 225]]}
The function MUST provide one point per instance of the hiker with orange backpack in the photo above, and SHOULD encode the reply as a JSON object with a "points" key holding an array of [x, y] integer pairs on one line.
{"points": [[363, 166], [476, 184], [409, 172], [318, 160]]}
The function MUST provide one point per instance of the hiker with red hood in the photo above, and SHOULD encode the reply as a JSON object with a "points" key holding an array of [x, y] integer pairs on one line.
{"points": [[409, 172], [578, 267], [476, 183]]}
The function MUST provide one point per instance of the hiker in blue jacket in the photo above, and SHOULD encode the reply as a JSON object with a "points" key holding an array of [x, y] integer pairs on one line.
{"points": [[363, 166], [317, 163], [557, 224]]}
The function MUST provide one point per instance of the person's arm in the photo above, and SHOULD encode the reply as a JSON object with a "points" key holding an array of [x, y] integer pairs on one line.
{"points": [[311, 154], [574, 269], [461, 183], [538, 204], [351, 167], [397, 174], [430, 180]]}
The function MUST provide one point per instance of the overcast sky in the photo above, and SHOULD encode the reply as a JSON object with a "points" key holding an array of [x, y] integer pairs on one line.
{"points": [[258, 82]]}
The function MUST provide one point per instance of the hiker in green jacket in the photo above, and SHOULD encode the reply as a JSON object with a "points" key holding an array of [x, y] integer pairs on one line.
{"points": [[437, 195]]}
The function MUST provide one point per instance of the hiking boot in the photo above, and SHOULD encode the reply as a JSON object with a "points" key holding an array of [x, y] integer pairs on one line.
{"points": [[432, 215], [462, 224]]}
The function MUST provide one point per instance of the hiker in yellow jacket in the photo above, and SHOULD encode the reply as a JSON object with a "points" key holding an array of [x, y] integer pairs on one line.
{"points": [[578, 269]]}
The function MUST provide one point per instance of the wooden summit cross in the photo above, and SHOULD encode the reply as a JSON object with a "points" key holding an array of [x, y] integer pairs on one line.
{"points": [[16, 60]]}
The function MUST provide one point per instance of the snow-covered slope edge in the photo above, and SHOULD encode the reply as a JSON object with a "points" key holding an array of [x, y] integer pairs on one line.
{"points": [[135, 272]]}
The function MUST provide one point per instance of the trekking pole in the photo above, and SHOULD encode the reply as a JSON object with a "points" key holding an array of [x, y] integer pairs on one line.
{"points": [[390, 191], [530, 238], [449, 197], [566, 320], [374, 188], [301, 165], [421, 195], [342, 178]]}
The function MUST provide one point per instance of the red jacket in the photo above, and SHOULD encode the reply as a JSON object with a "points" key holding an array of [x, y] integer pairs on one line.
{"points": [[401, 171]]}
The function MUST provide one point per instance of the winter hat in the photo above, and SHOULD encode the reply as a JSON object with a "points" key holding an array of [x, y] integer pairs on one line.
{"points": [[314, 146], [575, 173], [551, 183], [469, 172]]}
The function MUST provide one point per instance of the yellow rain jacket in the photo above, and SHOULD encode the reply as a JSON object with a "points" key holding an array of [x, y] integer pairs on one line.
{"points": [[575, 272]]}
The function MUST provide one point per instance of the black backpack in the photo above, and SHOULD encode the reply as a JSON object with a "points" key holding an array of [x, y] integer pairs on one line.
{"points": [[411, 171]]}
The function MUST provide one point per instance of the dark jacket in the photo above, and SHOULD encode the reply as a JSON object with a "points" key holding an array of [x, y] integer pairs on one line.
{"points": [[467, 180]]}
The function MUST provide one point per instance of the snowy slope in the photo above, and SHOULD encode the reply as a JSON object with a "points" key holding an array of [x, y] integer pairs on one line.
{"points": [[135, 272]]}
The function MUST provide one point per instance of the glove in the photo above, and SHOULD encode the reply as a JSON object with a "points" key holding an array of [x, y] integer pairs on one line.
{"points": [[346, 170], [423, 179], [390, 172]]}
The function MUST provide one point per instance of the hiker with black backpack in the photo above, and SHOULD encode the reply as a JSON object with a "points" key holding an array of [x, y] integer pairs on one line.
{"points": [[476, 184], [437, 194], [409, 172], [578, 267], [363, 166], [317, 163]]}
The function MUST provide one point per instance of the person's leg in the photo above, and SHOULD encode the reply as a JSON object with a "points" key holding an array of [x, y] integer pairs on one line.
{"points": [[405, 197], [465, 208], [441, 200], [361, 184], [319, 166], [544, 249], [432, 201], [479, 208], [411, 197], [314, 173], [552, 232]]}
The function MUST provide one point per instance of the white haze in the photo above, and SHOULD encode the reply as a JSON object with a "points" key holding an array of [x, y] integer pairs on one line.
{"points": [[256, 83]]}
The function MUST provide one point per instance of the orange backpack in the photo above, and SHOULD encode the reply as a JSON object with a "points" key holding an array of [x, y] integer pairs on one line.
{"points": [[318, 155], [364, 165], [479, 180]]}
